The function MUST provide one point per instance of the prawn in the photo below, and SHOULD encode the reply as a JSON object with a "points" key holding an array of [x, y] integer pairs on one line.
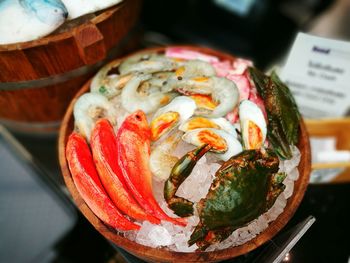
{"points": [[133, 100], [195, 68], [224, 93], [88, 109], [109, 85], [147, 64]]}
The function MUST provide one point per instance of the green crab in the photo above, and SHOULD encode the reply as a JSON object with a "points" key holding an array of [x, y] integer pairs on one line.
{"points": [[282, 112], [245, 186]]}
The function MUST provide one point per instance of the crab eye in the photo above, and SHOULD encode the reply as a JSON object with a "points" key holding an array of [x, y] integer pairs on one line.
{"points": [[138, 117]]}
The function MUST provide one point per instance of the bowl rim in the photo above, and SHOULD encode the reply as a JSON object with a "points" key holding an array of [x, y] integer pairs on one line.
{"points": [[164, 255]]}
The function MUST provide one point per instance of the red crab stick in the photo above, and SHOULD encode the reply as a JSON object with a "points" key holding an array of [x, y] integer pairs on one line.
{"points": [[133, 142], [89, 186], [104, 149]]}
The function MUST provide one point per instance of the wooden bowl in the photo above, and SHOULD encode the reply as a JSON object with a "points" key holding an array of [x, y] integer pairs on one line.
{"points": [[163, 255]]}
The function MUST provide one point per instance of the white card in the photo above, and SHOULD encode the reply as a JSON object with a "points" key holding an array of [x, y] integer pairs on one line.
{"points": [[318, 73]]}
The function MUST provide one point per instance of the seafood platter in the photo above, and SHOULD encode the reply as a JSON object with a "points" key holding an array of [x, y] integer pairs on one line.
{"points": [[185, 153]]}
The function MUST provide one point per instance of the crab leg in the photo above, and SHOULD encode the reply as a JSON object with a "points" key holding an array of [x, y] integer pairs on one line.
{"points": [[104, 149], [133, 144], [179, 173], [89, 186]]}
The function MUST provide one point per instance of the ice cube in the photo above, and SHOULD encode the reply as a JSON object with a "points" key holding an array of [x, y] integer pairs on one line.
{"points": [[213, 168], [159, 236], [202, 160], [288, 191], [130, 235], [183, 148], [197, 183], [142, 235], [289, 165], [294, 174]]}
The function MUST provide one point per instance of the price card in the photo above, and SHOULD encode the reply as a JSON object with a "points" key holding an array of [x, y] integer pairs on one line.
{"points": [[318, 73]]}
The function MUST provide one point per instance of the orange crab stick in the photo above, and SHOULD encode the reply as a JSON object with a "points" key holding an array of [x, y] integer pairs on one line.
{"points": [[133, 143], [89, 186], [104, 149]]}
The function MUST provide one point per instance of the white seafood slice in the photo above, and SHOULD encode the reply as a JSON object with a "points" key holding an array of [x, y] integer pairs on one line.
{"points": [[253, 125], [223, 144], [202, 122], [177, 111]]}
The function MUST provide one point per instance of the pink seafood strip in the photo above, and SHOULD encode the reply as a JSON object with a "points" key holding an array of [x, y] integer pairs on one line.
{"points": [[225, 68], [244, 87], [232, 116], [183, 53], [222, 68], [240, 65], [242, 84]]}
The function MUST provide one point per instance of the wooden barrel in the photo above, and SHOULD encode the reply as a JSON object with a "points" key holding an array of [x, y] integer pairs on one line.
{"points": [[39, 78]]}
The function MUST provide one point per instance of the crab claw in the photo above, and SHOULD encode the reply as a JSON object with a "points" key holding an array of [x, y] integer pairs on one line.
{"points": [[179, 173], [89, 186]]}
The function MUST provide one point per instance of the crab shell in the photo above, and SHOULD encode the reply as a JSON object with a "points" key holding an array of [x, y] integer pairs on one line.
{"points": [[244, 187]]}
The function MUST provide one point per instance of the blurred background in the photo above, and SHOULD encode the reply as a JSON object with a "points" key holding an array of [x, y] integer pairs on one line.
{"points": [[261, 30]]}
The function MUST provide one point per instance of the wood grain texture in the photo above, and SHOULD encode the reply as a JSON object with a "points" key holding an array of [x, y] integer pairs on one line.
{"points": [[57, 56], [40, 104], [90, 44], [163, 255], [338, 128]]}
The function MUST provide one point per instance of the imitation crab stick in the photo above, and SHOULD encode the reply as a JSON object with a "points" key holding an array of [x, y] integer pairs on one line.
{"points": [[133, 143], [104, 149], [89, 186]]}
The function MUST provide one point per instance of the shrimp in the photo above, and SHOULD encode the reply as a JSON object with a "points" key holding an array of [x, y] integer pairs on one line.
{"points": [[223, 91], [161, 161], [135, 59], [187, 69], [147, 64], [195, 68], [109, 85], [88, 109], [133, 100]]}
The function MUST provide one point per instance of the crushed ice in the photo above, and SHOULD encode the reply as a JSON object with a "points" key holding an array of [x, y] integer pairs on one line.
{"points": [[196, 187]]}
